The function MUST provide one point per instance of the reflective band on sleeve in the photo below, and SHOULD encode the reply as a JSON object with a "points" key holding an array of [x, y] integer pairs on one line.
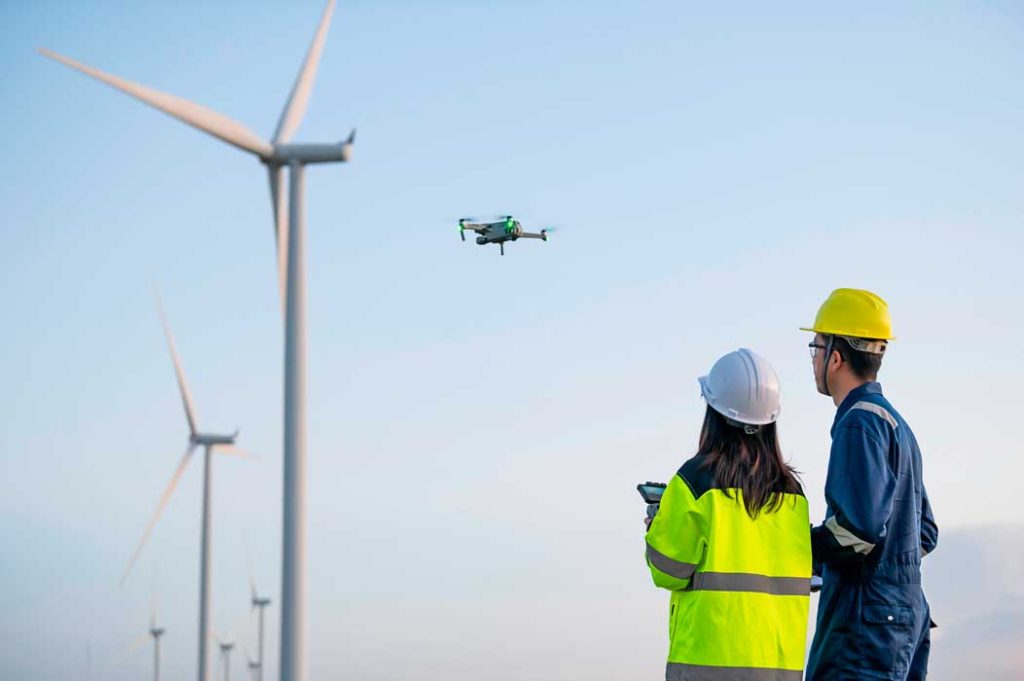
{"points": [[740, 581], [877, 411], [670, 566], [677, 671], [847, 538]]}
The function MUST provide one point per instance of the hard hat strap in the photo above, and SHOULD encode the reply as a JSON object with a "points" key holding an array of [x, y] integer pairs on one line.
{"points": [[828, 360]]}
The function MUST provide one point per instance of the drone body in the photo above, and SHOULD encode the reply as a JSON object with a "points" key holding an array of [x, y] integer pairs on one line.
{"points": [[506, 229]]}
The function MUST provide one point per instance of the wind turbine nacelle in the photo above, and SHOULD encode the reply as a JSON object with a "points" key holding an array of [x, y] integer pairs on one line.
{"points": [[312, 153], [210, 440]]}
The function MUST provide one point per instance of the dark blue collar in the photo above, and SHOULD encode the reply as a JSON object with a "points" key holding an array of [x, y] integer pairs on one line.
{"points": [[855, 396]]}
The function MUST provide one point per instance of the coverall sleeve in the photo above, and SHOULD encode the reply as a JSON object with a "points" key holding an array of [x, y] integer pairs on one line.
{"points": [[859, 489], [676, 538], [929, 530]]}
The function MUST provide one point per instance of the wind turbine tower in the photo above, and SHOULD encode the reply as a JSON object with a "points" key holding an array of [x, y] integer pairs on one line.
{"points": [[290, 235]]}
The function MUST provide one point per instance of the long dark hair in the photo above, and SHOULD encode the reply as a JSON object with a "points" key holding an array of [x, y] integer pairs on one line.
{"points": [[751, 462]]}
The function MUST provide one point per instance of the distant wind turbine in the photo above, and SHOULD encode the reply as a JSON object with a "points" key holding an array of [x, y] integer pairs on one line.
{"points": [[225, 656], [289, 216], [262, 604], [224, 444], [255, 668], [156, 632]]}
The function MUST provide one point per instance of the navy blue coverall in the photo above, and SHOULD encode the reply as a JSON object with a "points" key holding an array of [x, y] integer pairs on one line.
{"points": [[873, 619]]}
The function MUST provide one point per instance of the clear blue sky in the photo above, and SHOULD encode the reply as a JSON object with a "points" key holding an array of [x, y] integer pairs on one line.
{"points": [[477, 423]]}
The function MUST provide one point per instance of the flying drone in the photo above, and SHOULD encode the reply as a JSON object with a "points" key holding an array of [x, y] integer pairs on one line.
{"points": [[506, 229]]}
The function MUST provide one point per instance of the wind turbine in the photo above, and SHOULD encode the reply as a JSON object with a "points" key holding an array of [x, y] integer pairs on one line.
{"points": [[262, 604], [289, 217], [255, 668], [156, 632], [209, 442], [225, 656], [153, 631]]}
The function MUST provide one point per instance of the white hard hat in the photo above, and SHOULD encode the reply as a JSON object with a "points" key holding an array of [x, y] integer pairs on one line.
{"points": [[743, 387]]}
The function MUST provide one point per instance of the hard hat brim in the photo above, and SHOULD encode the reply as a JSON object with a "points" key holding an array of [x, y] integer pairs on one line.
{"points": [[838, 332]]}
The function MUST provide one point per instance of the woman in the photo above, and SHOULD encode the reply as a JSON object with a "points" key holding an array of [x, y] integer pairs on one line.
{"points": [[731, 539]]}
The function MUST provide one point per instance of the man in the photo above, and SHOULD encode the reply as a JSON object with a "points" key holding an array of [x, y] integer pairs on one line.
{"points": [[873, 619]]}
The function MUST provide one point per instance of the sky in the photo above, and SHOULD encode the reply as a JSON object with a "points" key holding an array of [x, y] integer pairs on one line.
{"points": [[477, 424]]}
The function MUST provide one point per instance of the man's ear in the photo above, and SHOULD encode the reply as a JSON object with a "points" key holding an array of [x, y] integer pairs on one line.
{"points": [[838, 359]]}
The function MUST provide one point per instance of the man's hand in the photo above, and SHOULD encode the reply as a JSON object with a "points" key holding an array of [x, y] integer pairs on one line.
{"points": [[647, 522]]}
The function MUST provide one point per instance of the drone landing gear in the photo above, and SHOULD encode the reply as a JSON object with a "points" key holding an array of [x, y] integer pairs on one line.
{"points": [[502, 247]]}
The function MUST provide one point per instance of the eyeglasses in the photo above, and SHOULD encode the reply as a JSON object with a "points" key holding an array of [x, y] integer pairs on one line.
{"points": [[814, 347]]}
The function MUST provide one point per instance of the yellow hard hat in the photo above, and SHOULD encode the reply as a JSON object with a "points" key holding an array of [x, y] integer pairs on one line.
{"points": [[853, 313]]}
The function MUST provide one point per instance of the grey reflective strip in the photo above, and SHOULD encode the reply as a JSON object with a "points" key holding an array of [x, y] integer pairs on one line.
{"points": [[877, 411], [741, 581], [677, 671], [847, 538], [670, 566]]}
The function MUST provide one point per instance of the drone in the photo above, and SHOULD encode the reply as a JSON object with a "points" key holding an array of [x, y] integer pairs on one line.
{"points": [[506, 229]]}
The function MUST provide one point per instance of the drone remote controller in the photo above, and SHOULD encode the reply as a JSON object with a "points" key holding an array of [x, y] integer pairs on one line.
{"points": [[651, 493]]}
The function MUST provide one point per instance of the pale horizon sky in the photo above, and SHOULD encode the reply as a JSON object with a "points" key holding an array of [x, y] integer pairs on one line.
{"points": [[477, 424]]}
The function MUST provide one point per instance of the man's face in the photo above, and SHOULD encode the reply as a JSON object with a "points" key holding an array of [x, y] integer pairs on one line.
{"points": [[818, 362]]}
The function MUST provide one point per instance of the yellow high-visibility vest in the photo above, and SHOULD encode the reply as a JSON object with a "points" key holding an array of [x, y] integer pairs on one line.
{"points": [[740, 586]]}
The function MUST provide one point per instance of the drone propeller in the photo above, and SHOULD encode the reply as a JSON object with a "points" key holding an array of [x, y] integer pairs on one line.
{"points": [[544, 232]]}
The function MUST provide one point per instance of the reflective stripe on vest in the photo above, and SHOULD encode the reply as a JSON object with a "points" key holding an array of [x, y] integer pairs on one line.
{"points": [[670, 566], [676, 671], [739, 581]]}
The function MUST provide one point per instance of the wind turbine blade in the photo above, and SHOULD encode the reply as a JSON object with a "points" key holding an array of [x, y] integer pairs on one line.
{"points": [[279, 199], [235, 451], [196, 115], [238, 626], [293, 112], [152, 601], [131, 650], [186, 396], [252, 576], [164, 498]]}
